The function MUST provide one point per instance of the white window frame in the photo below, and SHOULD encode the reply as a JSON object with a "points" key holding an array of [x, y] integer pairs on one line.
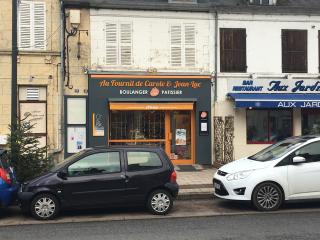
{"points": [[33, 40]]}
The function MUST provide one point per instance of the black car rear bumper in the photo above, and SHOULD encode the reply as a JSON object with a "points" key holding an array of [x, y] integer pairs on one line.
{"points": [[173, 188]]}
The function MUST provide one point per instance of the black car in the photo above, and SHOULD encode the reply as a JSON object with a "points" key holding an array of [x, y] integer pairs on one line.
{"points": [[108, 176]]}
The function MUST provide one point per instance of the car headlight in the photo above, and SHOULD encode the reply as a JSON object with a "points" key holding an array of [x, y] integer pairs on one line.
{"points": [[239, 175]]}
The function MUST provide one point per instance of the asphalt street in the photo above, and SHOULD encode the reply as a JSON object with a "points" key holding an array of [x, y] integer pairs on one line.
{"points": [[275, 226]]}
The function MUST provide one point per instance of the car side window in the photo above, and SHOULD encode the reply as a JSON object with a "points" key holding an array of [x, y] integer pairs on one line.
{"points": [[97, 163], [310, 152], [140, 161]]}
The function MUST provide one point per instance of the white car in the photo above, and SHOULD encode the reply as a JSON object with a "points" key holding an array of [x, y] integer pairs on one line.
{"points": [[287, 170]]}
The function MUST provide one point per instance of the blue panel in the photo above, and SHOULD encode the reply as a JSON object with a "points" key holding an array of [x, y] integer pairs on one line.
{"points": [[264, 100]]}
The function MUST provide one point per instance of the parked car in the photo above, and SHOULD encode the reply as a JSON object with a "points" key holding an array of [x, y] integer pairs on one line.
{"points": [[287, 170], [108, 176], [8, 184]]}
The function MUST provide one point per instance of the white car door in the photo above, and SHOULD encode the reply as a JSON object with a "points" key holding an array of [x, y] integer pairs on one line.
{"points": [[304, 178]]}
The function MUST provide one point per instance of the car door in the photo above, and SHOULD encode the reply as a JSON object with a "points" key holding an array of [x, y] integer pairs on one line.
{"points": [[95, 179], [303, 178], [145, 170]]}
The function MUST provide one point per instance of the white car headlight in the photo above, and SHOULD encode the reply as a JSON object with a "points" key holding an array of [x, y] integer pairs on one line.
{"points": [[239, 175]]}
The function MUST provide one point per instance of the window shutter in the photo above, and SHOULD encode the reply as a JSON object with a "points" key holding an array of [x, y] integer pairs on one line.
{"points": [[111, 44], [39, 25], [125, 44], [190, 45], [176, 48], [233, 56], [25, 25], [294, 51]]}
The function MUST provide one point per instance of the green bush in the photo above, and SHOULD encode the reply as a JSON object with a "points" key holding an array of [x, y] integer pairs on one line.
{"points": [[28, 159]]}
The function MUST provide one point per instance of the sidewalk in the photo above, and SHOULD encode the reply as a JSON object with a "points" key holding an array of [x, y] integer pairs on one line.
{"points": [[195, 182], [184, 208]]}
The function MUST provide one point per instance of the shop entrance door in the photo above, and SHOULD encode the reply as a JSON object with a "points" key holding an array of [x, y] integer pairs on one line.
{"points": [[180, 136], [167, 125]]}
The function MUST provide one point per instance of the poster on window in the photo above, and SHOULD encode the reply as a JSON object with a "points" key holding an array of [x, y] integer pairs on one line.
{"points": [[98, 124], [181, 137], [76, 139], [36, 114]]}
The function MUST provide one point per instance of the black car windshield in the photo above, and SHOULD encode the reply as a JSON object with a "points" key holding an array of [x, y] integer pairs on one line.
{"points": [[66, 161], [277, 150]]}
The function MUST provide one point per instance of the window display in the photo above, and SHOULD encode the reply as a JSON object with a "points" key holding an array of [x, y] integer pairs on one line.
{"points": [[268, 126]]}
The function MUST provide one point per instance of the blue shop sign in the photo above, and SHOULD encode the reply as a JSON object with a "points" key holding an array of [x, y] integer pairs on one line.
{"points": [[274, 86], [276, 100]]}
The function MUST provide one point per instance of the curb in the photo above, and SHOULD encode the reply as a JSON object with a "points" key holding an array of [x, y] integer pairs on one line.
{"points": [[195, 196]]}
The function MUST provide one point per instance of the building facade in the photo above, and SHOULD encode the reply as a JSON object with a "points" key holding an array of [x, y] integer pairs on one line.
{"points": [[254, 53], [268, 78], [210, 81], [39, 81], [149, 81]]}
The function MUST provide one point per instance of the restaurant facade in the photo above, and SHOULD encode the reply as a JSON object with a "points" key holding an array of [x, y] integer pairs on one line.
{"points": [[267, 110]]}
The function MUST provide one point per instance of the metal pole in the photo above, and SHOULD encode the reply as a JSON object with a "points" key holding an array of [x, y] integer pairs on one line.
{"points": [[14, 104]]}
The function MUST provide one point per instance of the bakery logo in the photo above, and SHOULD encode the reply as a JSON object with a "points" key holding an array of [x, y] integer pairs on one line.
{"points": [[154, 92], [203, 114]]}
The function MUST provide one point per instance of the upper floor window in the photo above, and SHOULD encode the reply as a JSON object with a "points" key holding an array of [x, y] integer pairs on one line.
{"points": [[233, 50], [118, 44], [294, 51], [183, 45], [32, 25]]}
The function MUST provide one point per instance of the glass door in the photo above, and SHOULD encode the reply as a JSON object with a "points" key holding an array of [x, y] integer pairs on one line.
{"points": [[181, 136]]}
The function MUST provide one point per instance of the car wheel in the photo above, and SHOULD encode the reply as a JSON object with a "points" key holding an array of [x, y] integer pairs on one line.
{"points": [[45, 207], [267, 197], [160, 202]]}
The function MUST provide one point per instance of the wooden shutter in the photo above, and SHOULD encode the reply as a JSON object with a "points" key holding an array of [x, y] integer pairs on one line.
{"points": [[39, 25], [111, 44], [190, 45], [176, 45], [233, 50], [294, 51], [126, 43], [25, 25]]}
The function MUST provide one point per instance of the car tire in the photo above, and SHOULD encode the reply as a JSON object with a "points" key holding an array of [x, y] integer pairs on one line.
{"points": [[160, 202], [45, 207], [267, 197]]}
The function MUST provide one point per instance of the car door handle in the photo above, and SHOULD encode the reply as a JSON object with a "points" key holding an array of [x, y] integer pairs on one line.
{"points": [[124, 177]]}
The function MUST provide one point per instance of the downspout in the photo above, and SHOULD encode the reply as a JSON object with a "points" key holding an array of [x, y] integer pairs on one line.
{"points": [[215, 84], [60, 98], [14, 56], [216, 54]]}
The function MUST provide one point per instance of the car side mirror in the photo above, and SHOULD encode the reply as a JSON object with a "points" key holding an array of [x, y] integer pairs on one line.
{"points": [[62, 174], [298, 159]]}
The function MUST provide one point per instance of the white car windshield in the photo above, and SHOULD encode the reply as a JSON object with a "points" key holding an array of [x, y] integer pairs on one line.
{"points": [[277, 150]]}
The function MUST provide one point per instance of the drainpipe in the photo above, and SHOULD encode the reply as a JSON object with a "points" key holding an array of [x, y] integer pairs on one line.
{"points": [[60, 98], [14, 56], [215, 83], [216, 54]]}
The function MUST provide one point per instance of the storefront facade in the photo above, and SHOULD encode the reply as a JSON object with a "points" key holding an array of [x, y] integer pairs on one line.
{"points": [[172, 112], [269, 110]]}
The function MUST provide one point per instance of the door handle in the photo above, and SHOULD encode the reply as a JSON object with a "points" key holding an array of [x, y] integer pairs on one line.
{"points": [[122, 176]]}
